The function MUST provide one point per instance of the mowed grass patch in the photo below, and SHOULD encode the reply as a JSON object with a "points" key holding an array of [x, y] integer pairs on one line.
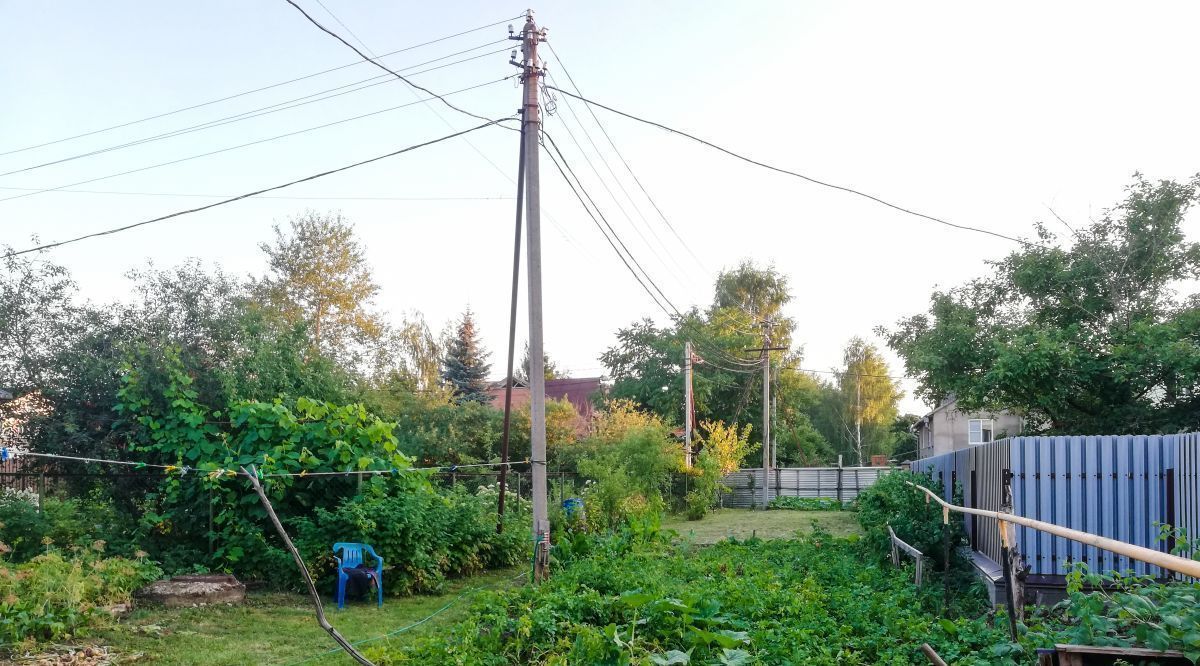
{"points": [[277, 628], [745, 523]]}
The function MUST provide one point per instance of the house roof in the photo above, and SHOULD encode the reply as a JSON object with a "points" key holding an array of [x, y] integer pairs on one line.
{"points": [[577, 390], [5, 395]]}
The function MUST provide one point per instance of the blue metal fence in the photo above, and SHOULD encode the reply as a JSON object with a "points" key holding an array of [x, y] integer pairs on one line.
{"points": [[1120, 486]]}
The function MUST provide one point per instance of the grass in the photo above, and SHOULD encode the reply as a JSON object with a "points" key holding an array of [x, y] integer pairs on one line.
{"points": [[744, 523], [277, 628]]}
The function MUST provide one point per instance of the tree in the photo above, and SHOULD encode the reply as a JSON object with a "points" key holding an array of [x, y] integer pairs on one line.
{"points": [[760, 293], [1089, 338], [550, 370], [37, 315], [464, 365], [318, 275], [646, 363], [856, 411]]}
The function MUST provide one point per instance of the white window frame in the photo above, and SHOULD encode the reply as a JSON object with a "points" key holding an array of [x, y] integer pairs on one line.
{"points": [[990, 430]]}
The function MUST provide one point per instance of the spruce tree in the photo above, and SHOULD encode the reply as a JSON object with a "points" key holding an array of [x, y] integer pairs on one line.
{"points": [[465, 366]]}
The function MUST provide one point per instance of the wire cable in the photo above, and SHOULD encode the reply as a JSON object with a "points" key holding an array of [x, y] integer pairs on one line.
{"points": [[309, 198], [255, 90], [801, 176], [672, 313], [563, 232], [662, 216], [610, 228], [247, 195], [267, 110], [379, 64], [242, 145], [680, 277]]}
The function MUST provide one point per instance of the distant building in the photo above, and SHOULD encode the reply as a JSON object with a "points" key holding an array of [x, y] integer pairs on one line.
{"points": [[5, 395], [576, 390], [947, 428]]}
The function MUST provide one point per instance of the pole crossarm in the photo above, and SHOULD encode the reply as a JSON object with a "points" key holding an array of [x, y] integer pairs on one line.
{"points": [[1181, 565]]}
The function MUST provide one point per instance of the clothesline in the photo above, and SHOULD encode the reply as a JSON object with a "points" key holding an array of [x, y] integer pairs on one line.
{"points": [[213, 471]]}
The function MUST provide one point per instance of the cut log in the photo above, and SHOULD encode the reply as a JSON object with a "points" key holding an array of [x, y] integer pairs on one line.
{"points": [[203, 590]]}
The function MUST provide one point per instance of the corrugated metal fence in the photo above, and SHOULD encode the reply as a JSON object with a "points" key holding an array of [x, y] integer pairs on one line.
{"points": [[841, 483], [1119, 486]]}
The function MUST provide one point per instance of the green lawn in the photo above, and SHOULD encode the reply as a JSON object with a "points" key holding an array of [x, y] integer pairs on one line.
{"points": [[776, 524], [276, 629]]}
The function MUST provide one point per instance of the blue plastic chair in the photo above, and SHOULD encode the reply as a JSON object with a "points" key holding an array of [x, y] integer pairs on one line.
{"points": [[352, 556]]}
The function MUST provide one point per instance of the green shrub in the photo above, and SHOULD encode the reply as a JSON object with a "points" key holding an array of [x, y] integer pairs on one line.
{"points": [[628, 478], [806, 503], [29, 531], [707, 488], [55, 596], [916, 520], [423, 535]]}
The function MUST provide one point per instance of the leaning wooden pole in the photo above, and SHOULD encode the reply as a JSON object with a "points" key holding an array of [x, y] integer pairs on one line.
{"points": [[252, 474]]}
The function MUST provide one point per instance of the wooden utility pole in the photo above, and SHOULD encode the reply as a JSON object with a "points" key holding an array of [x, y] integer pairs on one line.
{"points": [[687, 403], [531, 127]]}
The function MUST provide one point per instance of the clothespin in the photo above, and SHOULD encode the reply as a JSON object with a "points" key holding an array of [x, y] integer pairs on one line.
{"points": [[233, 472], [303, 473], [139, 465], [170, 468], [453, 468], [258, 473], [395, 471], [3, 454], [183, 473], [215, 474], [945, 515]]}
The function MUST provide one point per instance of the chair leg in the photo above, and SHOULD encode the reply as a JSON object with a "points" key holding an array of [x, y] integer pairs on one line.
{"points": [[379, 587], [341, 592]]}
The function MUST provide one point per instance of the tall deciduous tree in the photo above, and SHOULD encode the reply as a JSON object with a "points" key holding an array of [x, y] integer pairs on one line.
{"points": [[464, 365], [318, 275], [1091, 337], [861, 405]]}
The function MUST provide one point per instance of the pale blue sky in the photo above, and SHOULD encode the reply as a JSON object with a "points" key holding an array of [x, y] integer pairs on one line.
{"points": [[982, 113]]}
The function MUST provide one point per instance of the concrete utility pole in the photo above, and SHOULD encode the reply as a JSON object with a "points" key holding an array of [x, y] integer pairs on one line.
{"points": [[531, 125], [687, 403], [766, 405]]}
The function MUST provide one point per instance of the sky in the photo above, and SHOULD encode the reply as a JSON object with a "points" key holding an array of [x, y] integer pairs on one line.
{"points": [[985, 114]]}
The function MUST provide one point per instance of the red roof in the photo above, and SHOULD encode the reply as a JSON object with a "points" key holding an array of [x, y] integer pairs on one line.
{"points": [[577, 390]]}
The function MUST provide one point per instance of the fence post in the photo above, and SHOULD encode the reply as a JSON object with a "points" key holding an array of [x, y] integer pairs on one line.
{"points": [[520, 476], [839, 483], [1012, 573], [41, 490]]}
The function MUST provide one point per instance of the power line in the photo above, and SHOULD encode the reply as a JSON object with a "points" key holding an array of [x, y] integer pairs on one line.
{"points": [[676, 314], [810, 179], [344, 26], [266, 110], [255, 193], [603, 183], [255, 90], [241, 145], [311, 198], [379, 64], [602, 232], [563, 232], [610, 228], [624, 161]]}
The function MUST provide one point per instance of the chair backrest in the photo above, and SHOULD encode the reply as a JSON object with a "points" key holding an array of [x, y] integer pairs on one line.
{"points": [[352, 553]]}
